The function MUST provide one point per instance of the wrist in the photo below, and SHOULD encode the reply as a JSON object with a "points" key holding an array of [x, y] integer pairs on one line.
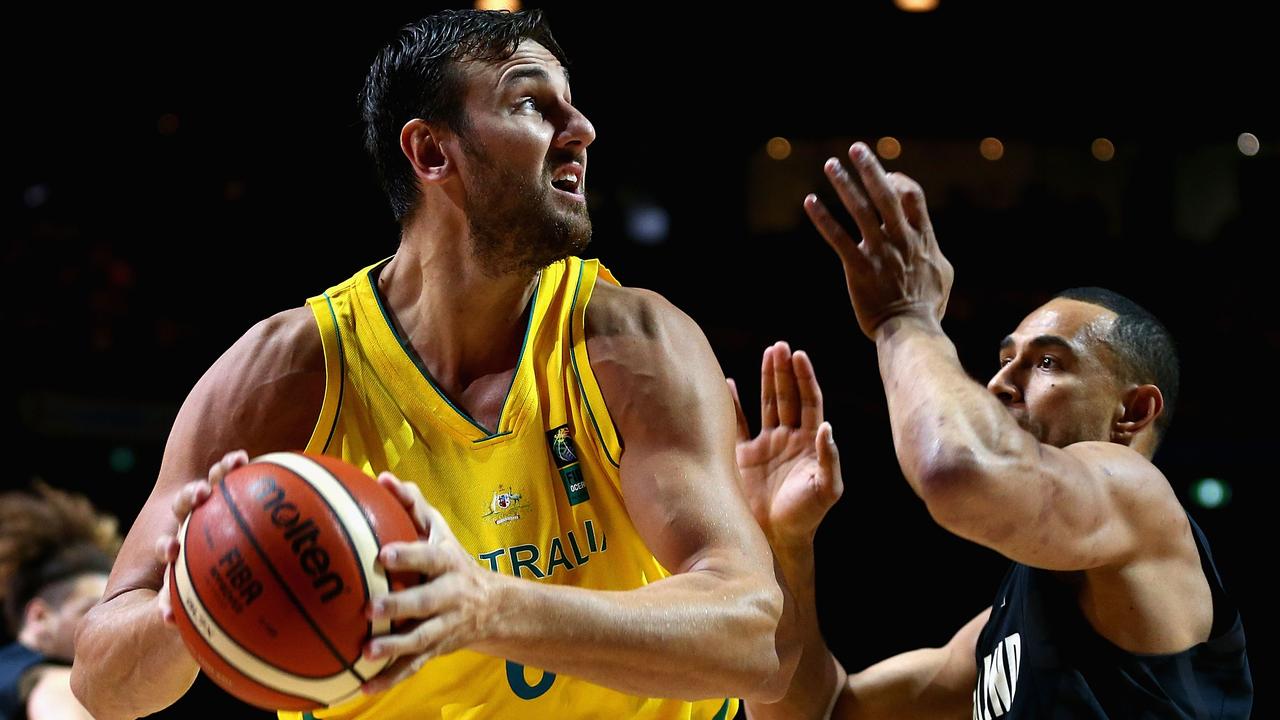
{"points": [[497, 595], [911, 319], [792, 545]]}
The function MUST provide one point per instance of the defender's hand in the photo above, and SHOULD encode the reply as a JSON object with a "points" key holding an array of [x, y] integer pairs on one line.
{"points": [[897, 267], [790, 471]]}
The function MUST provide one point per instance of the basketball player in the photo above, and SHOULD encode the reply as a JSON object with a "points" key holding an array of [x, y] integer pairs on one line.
{"points": [[564, 443], [55, 553], [1112, 607]]}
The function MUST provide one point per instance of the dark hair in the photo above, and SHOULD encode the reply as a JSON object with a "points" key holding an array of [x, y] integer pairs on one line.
{"points": [[415, 76], [47, 539], [1143, 346]]}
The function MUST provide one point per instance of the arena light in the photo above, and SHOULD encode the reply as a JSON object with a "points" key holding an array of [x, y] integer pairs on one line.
{"points": [[122, 460], [916, 6], [510, 5], [888, 148], [1248, 144], [1103, 149], [1210, 493], [991, 148], [167, 124], [35, 195], [648, 223], [778, 148]]}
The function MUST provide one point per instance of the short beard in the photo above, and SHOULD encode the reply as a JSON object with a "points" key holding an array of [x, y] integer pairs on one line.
{"points": [[514, 222]]}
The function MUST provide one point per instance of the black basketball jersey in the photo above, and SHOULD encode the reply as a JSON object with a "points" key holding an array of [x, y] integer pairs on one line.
{"points": [[1038, 657]]}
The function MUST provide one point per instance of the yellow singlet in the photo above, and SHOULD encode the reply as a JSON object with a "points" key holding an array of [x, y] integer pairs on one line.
{"points": [[538, 497]]}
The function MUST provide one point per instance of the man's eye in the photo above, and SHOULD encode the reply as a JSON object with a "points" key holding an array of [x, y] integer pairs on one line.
{"points": [[1047, 362]]}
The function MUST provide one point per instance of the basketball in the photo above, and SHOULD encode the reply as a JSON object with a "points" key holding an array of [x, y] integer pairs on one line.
{"points": [[275, 573]]}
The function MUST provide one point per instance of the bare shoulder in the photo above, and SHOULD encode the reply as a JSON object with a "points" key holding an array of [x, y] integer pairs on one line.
{"points": [[1140, 493], [264, 393], [630, 312], [651, 359]]}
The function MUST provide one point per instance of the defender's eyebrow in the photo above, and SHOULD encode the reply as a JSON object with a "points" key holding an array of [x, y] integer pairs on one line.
{"points": [[1040, 341]]}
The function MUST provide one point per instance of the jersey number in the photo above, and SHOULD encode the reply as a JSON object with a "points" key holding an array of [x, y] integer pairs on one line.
{"points": [[522, 688]]}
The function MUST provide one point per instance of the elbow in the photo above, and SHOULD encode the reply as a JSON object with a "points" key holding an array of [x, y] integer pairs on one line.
{"points": [[81, 686], [82, 682], [951, 489], [969, 494], [771, 664]]}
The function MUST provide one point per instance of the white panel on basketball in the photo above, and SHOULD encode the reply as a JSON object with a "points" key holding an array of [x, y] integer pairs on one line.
{"points": [[357, 525], [319, 690]]}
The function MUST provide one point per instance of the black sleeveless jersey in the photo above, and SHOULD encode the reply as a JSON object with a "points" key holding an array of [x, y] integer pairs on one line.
{"points": [[1038, 657]]}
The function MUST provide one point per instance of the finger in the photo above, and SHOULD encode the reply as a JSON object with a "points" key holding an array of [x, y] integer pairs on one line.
{"points": [[855, 199], [163, 601], [422, 638], [879, 189], [191, 495], [768, 394], [913, 202], [431, 559], [400, 670], [398, 487], [229, 462], [166, 549], [784, 379], [835, 234], [830, 485], [410, 496], [744, 432], [416, 603], [392, 674], [810, 391]]}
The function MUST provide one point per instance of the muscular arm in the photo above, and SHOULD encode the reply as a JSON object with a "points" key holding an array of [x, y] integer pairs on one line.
{"points": [[981, 475], [712, 628], [818, 674], [263, 394], [986, 479], [925, 684]]}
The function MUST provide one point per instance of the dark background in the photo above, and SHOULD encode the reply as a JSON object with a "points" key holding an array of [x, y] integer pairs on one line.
{"points": [[173, 176]]}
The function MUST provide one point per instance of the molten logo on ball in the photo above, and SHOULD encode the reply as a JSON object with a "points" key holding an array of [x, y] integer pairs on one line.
{"points": [[303, 534]]}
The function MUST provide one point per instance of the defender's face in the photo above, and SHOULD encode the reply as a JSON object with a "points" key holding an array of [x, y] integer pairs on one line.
{"points": [[1056, 374], [86, 593]]}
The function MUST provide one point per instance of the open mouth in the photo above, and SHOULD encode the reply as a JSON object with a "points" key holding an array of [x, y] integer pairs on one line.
{"points": [[568, 180]]}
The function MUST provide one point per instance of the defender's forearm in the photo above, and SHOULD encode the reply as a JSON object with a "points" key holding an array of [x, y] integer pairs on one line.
{"points": [[944, 423], [817, 675]]}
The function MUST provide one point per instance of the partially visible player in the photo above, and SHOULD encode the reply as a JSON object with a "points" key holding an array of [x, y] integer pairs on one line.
{"points": [[55, 553], [1112, 606]]}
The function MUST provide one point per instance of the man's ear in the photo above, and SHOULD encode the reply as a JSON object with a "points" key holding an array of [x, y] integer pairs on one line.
{"points": [[420, 142], [1142, 405]]}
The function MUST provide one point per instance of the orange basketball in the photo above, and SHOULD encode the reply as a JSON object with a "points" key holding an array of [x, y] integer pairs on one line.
{"points": [[276, 571]]}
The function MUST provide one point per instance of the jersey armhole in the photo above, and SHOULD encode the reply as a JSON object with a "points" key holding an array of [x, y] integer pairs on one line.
{"points": [[335, 372], [605, 432]]}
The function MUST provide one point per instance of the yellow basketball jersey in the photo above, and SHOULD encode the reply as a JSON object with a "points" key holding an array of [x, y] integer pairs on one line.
{"points": [[538, 497]]}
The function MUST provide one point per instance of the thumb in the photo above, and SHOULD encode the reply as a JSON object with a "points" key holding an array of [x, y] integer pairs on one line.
{"points": [[744, 432], [830, 484]]}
